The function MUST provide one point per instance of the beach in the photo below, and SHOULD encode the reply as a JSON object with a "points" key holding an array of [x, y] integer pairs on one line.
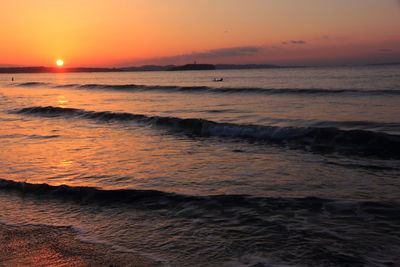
{"points": [[34, 245]]}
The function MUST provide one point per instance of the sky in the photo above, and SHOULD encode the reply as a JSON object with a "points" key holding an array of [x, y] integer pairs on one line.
{"points": [[119, 33]]}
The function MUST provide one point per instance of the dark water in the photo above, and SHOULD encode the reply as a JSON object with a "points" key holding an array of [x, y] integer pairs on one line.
{"points": [[286, 167]]}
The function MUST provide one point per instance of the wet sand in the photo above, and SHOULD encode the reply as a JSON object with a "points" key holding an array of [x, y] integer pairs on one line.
{"points": [[58, 246]]}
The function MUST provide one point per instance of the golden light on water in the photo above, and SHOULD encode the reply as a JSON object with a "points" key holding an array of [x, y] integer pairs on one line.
{"points": [[65, 163], [60, 62], [62, 101]]}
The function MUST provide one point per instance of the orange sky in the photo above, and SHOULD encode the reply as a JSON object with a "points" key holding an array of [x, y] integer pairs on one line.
{"points": [[137, 32]]}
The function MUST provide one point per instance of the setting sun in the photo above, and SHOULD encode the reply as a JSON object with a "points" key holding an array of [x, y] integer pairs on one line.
{"points": [[60, 62]]}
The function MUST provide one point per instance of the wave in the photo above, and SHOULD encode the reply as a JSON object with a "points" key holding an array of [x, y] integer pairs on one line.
{"points": [[217, 90], [32, 84], [153, 199], [380, 126], [218, 228], [386, 126], [320, 139], [28, 136]]}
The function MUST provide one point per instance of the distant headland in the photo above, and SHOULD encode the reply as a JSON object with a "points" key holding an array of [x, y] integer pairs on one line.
{"points": [[140, 68], [186, 67]]}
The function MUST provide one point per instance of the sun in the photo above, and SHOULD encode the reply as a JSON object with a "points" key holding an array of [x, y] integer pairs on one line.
{"points": [[60, 62]]}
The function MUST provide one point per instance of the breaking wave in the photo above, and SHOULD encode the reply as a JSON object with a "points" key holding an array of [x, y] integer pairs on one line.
{"points": [[218, 90], [320, 139], [153, 199], [300, 231]]}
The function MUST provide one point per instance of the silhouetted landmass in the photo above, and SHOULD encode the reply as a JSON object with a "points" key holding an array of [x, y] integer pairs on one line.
{"points": [[148, 68], [193, 67], [246, 66], [24, 70], [385, 64], [141, 68], [51, 70], [157, 68]]}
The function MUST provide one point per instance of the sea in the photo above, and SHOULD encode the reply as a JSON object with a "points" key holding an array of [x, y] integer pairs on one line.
{"points": [[269, 167]]}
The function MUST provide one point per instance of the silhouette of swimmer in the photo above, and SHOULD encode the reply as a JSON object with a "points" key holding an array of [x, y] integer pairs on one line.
{"points": [[12, 79]]}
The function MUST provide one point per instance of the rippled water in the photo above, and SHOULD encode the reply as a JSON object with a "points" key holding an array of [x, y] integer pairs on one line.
{"points": [[276, 167]]}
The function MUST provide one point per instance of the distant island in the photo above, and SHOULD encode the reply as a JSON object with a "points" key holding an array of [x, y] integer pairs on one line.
{"points": [[193, 67]]}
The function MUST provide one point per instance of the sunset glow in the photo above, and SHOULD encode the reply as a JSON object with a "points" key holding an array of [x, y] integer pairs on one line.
{"points": [[200, 133], [60, 62], [124, 33]]}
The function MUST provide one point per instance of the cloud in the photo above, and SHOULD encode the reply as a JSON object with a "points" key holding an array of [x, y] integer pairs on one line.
{"points": [[295, 42], [219, 53], [385, 50], [231, 51], [210, 54]]}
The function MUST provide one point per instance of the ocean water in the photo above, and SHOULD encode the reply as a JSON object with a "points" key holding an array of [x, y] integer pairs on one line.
{"points": [[273, 167]]}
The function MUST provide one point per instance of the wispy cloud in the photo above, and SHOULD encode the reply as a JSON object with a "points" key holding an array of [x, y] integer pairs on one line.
{"points": [[229, 52], [219, 53], [294, 42]]}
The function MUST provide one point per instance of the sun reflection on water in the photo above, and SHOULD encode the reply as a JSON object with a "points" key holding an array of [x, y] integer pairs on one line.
{"points": [[62, 101], [65, 163]]}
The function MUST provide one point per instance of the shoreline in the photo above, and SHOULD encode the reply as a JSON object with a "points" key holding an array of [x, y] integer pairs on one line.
{"points": [[37, 245]]}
